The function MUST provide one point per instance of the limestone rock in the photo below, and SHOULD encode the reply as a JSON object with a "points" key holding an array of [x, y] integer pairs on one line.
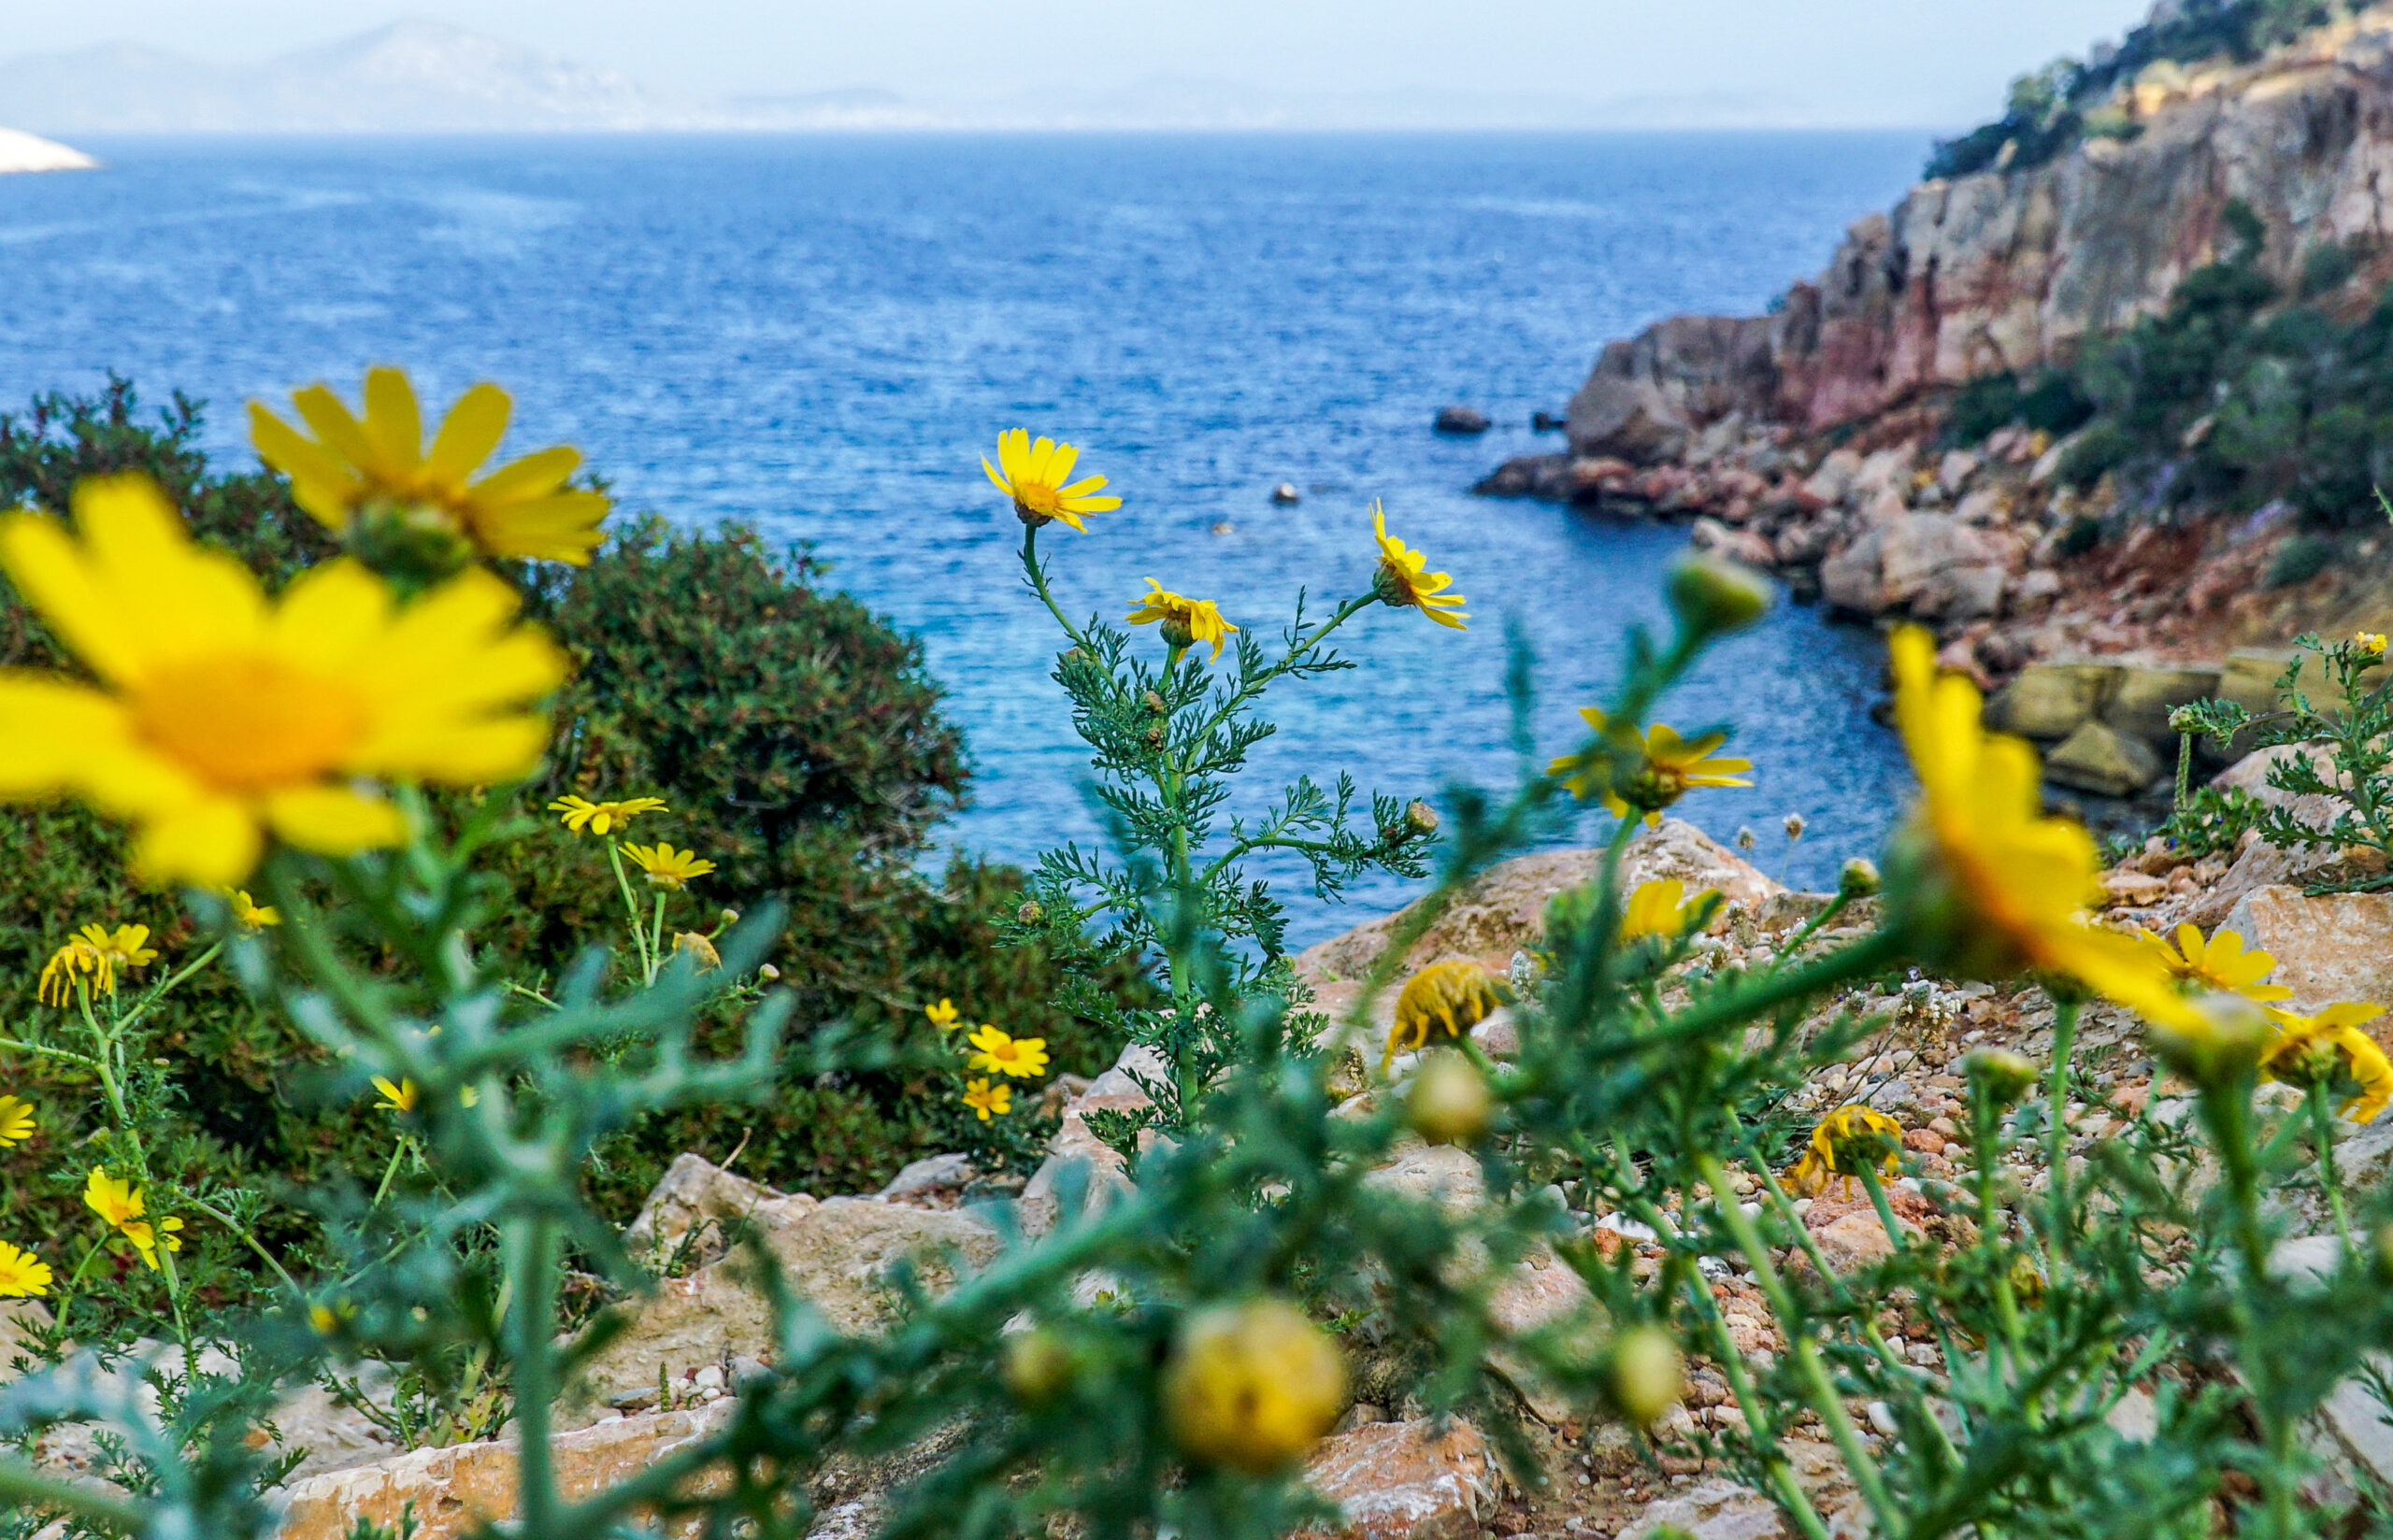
{"points": [[2251, 674], [2099, 759], [1710, 1510], [456, 1489], [1504, 910], [2260, 865], [1407, 1481], [695, 1193], [2141, 696], [2333, 946], [1461, 419], [1440, 1174], [1073, 1147], [2049, 700], [933, 1182]]}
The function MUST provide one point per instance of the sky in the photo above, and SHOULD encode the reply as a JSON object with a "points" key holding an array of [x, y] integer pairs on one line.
{"points": [[1926, 62]]}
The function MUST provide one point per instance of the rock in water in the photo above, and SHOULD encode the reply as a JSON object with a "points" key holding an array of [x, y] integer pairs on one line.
{"points": [[1461, 419], [1286, 495], [22, 151]]}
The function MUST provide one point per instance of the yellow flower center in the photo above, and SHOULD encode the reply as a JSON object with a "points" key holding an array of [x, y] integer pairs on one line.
{"points": [[249, 722], [1038, 498]]}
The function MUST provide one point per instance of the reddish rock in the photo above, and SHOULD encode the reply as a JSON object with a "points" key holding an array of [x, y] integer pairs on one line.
{"points": [[1406, 1480]]}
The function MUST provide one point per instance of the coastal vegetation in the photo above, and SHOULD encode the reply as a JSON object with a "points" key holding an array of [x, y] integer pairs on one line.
{"points": [[343, 770]]}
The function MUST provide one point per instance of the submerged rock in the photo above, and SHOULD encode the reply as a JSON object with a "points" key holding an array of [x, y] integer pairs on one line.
{"points": [[1462, 419]]}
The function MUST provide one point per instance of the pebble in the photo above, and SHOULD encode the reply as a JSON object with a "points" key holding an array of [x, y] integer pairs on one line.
{"points": [[1882, 1417], [709, 1378]]}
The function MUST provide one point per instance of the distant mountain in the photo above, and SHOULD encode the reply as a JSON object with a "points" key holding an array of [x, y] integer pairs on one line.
{"points": [[408, 77], [424, 77]]}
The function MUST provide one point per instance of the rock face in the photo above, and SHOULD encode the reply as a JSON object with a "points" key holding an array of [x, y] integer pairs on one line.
{"points": [[2010, 270], [1406, 1480], [2330, 948]]}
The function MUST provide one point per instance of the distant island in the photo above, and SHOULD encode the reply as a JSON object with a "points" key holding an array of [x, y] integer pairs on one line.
{"points": [[22, 151]]}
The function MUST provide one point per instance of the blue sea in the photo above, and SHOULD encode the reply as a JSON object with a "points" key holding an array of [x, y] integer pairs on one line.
{"points": [[822, 335]]}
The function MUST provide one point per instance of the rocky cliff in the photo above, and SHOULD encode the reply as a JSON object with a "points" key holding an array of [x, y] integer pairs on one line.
{"points": [[2010, 270]]}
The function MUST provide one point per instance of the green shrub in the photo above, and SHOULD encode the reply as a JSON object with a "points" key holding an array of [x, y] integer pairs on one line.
{"points": [[794, 734], [1980, 407], [2054, 405], [2326, 268], [2103, 449], [2300, 560]]}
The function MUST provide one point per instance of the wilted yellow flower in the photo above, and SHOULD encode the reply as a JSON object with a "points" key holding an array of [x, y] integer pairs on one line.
{"points": [[666, 866], [1669, 767], [376, 477], [985, 1099], [2221, 964], [601, 817], [125, 948], [1846, 1143], [1019, 1057], [942, 1015], [1400, 583], [23, 1275], [2370, 642], [700, 948], [1660, 907], [1034, 475], [16, 1120], [1187, 622], [247, 913], [1252, 1386], [1446, 998], [2329, 1054], [1978, 881], [76, 962], [222, 714], [398, 1098]]}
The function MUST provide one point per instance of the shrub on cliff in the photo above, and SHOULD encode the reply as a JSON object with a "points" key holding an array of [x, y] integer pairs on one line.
{"points": [[793, 733]]}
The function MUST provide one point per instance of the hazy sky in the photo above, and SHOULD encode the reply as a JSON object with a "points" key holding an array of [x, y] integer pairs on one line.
{"points": [[1913, 62]]}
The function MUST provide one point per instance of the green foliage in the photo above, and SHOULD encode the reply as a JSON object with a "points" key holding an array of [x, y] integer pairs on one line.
{"points": [[794, 734], [2327, 267], [2052, 108], [2300, 560], [2211, 822], [1980, 407]]}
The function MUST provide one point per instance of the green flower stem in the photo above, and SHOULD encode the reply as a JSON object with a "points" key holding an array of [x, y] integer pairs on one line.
{"points": [[2225, 1107], [30, 1489], [1986, 1142], [655, 942], [630, 907], [110, 1066], [2322, 1124], [242, 1233], [1817, 1381], [74, 1281], [141, 1007], [530, 1245], [390, 1170], [2056, 1136]]}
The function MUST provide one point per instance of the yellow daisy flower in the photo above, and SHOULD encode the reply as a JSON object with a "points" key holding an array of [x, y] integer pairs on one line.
{"points": [[398, 1098], [1019, 1057], [2221, 964], [125, 948], [1846, 1143], [146, 1240], [117, 1203], [986, 1099], [376, 477], [23, 1275], [666, 866], [1187, 622], [223, 715], [1034, 475], [1977, 879], [2370, 642], [247, 913], [2328, 1053], [77, 963], [1448, 998], [1660, 907], [1401, 583], [599, 818], [1669, 767], [943, 1015], [700, 948], [16, 1120]]}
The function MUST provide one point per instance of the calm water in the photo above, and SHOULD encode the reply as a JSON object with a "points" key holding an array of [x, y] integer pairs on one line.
{"points": [[822, 335]]}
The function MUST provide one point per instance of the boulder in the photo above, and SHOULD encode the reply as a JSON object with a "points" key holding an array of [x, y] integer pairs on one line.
{"points": [[2250, 679], [1833, 479], [1415, 1480], [1286, 495], [2050, 701], [1932, 562], [2330, 948], [1649, 395], [1849, 577], [456, 1491], [1461, 419], [936, 1181], [1709, 1510], [697, 1194], [1504, 910], [2101, 760], [2141, 696], [1745, 546]]}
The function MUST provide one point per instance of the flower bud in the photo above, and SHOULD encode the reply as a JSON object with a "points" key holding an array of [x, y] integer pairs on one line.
{"points": [[1745, 840], [1419, 818], [1794, 824], [728, 916], [2004, 1076], [1648, 1375], [2221, 1039], [1154, 702], [1709, 595], [1038, 1365], [1858, 878], [1447, 1101], [1251, 1386], [701, 951], [768, 973], [1031, 912]]}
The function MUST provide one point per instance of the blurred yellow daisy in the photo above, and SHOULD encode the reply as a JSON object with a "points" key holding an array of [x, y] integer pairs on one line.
{"points": [[2370, 642], [1019, 1057], [666, 866], [1979, 881], [1401, 582], [2329, 1054], [601, 817], [223, 715], [1187, 622], [247, 913], [1446, 998], [23, 1275], [943, 1015], [398, 1098], [985, 1099], [1660, 907], [376, 473], [1035, 477], [702, 953], [1669, 767], [2220, 963], [16, 1120], [1846, 1143]]}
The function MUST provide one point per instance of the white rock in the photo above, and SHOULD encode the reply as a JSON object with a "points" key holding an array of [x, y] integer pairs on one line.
{"points": [[22, 151]]}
